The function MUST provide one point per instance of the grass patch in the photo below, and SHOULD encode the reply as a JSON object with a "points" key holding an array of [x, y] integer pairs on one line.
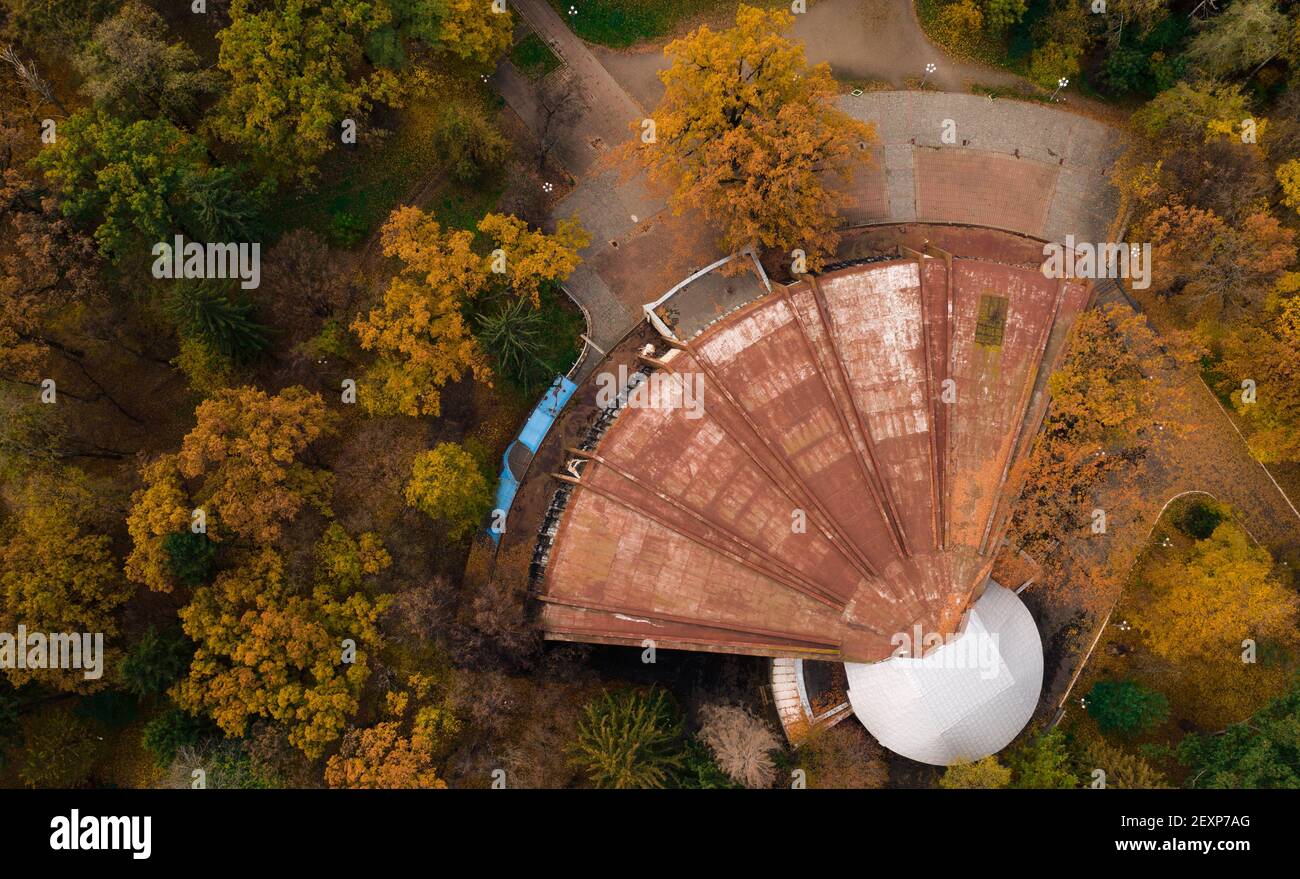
{"points": [[533, 58], [358, 188], [548, 342], [622, 23]]}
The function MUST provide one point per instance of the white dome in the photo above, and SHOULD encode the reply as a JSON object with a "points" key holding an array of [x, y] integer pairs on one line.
{"points": [[966, 699]]}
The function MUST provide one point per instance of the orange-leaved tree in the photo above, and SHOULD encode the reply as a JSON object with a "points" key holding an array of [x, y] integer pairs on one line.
{"points": [[420, 331], [748, 132]]}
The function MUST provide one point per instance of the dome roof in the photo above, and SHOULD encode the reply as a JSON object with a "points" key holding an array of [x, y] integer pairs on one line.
{"points": [[965, 699]]}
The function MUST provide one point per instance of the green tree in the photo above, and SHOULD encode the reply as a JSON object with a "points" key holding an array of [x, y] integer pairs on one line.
{"points": [[468, 142], [190, 557], [1126, 707], [159, 659], [172, 729], [1043, 763], [1263, 752], [630, 740], [126, 179], [447, 483], [294, 77], [205, 311]]}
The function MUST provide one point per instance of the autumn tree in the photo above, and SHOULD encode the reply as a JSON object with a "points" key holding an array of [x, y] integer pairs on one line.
{"points": [[1092, 436], [1243, 36], [1204, 606], [448, 484], [129, 67], [57, 574], [398, 752], [159, 509], [843, 756], [1267, 353], [294, 77], [50, 270], [1213, 268], [984, 774], [273, 648], [748, 132], [245, 456], [420, 331], [1124, 771]]}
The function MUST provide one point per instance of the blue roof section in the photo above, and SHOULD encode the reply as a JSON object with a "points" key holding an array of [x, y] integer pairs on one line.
{"points": [[535, 429]]}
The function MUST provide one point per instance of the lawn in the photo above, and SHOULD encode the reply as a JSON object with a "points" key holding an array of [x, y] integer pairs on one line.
{"points": [[621, 23], [533, 58], [357, 188]]}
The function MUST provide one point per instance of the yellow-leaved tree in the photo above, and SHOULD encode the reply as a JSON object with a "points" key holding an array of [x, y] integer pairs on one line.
{"points": [[748, 132], [419, 331], [267, 647], [398, 752], [56, 574], [1223, 593]]}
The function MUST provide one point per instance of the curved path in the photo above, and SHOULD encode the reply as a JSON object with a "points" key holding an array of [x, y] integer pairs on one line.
{"points": [[868, 40]]}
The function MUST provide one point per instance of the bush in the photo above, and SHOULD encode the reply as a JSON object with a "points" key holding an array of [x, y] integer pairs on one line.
{"points": [[171, 731], [469, 143], [1126, 707], [741, 743], [158, 660], [630, 740]]}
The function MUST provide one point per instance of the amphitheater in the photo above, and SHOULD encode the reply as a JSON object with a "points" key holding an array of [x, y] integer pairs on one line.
{"points": [[819, 468]]}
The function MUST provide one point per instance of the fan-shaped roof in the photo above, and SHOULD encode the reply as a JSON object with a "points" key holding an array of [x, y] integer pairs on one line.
{"points": [[815, 471]]}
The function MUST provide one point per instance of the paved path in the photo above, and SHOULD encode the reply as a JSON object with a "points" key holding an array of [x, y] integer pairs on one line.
{"points": [[1024, 167], [877, 40], [609, 112]]}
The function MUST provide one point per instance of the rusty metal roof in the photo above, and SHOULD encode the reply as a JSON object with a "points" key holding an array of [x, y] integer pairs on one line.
{"points": [[880, 406]]}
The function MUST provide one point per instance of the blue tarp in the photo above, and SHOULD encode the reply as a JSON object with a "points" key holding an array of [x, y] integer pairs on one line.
{"points": [[539, 422]]}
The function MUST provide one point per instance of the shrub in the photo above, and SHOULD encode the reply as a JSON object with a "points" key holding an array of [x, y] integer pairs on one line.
{"points": [[741, 743], [469, 143], [1126, 707], [630, 740]]}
